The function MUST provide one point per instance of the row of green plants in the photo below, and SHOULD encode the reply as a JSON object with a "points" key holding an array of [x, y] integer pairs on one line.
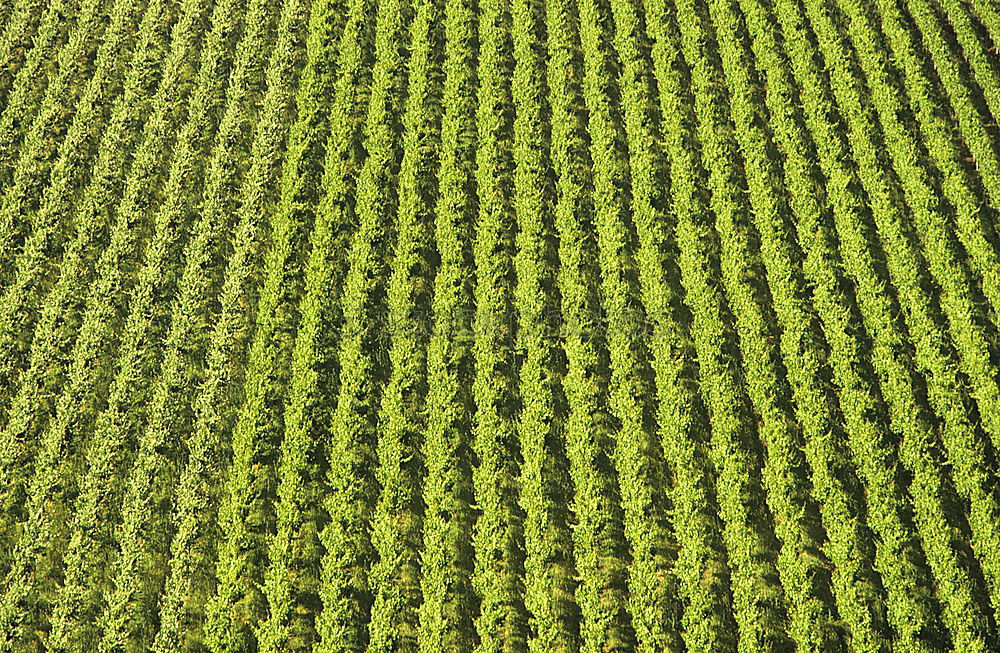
{"points": [[192, 575], [397, 522], [235, 614], [36, 128], [206, 148], [891, 354], [63, 438], [21, 22], [776, 187], [25, 85], [870, 438], [544, 484], [447, 558]]}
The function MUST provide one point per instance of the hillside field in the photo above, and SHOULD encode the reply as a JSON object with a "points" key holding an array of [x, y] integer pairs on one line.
{"points": [[499, 326]]}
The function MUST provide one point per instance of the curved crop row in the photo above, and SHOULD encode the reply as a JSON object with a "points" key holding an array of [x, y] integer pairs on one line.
{"points": [[38, 386], [22, 101], [58, 206], [446, 612], [863, 408], [589, 326], [702, 565], [62, 438], [397, 520], [971, 119], [810, 399], [300, 471], [657, 252], [70, 145], [246, 511], [313, 381], [928, 211], [31, 132], [802, 351], [758, 600], [598, 526], [549, 571], [349, 443], [691, 199], [25, 82], [129, 609], [498, 537], [977, 54], [902, 257], [890, 355], [799, 475], [350, 447], [25, 388], [22, 21], [78, 600], [191, 570], [624, 180], [988, 12]]}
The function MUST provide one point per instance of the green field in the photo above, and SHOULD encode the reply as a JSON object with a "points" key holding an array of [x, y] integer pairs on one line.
{"points": [[499, 326]]}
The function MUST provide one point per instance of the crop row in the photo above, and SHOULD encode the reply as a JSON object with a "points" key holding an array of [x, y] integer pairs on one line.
{"points": [[518, 325]]}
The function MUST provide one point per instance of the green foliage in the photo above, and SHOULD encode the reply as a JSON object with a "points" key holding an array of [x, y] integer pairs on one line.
{"points": [[499, 326], [31, 369], [292, 576], [191, 574], [246, 511], [864, 413], [549, 570], [397, 521], [889, 350], [22, 21], [598, 529], [446, 612], [142, 538], [24, 88], [498, 536], [45, 446], [63, 437], [758, 601]]}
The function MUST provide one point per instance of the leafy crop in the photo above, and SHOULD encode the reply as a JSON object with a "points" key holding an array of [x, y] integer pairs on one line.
{"points": [[499, 326]]}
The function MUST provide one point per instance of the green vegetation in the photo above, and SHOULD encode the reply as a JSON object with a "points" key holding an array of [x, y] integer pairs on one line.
{"points": [[499, 326]]}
